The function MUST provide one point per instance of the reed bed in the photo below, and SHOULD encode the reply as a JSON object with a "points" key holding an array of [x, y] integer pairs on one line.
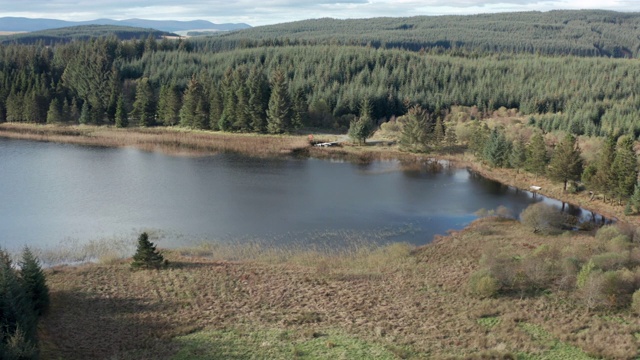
{"points": [[173, 141]]}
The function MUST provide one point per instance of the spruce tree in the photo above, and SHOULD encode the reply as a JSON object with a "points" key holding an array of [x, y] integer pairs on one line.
{"points": [[54, 115], [450, 137], [536, 155], [496, 150], [122, 118], [144, 107], [279, 111], [34, 282], [518, 155], [415, 130], [146, 256], [624, 169], [362, 127], [258, 98], [85, 114], [566, 164], [438, 133], [227, 118], [189, 116], [169, 105]]}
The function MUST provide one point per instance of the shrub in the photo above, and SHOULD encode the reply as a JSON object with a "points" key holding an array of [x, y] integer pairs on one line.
{"points": [[610, 260], [543, 218], [635, 302], [584, 273], [483, 285], [607, 233], [147, 257]]}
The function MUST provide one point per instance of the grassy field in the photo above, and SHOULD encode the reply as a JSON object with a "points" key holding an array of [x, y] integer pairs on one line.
{"points": [[390, 302]]}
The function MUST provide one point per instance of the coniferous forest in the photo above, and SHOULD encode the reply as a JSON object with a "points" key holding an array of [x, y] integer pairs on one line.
{"points": [[321, 83]]}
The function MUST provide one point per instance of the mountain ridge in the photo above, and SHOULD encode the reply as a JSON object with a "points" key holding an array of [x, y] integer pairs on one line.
{"points": [[20, 24]]}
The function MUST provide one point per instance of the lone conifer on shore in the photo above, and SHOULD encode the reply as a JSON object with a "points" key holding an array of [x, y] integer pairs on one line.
{"points": [[146, 256]]}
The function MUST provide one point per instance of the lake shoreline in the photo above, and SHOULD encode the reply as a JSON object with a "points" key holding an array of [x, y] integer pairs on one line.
{"points": [[184, 142]]}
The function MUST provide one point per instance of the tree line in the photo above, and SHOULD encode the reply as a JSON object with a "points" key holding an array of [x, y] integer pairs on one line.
{"points": [[24, 297], [147, 82]]}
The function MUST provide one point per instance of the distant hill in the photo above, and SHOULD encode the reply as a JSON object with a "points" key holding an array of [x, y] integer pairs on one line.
{"points": [[580, 32], [28, 24], [83, 32]]}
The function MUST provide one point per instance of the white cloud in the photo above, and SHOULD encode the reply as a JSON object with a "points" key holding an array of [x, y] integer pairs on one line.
{"points": [[275, 11]]}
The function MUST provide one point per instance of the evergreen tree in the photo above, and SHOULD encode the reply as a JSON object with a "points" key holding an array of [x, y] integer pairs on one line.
{"points": [[300, 109], [85, 114], [602, 178], [122, 118], [438, 133], [362, 127], [518, 155], [34, 282], [258, 99], [54, 115], [169, 105], [635, 198], [216, 107], [450, 137], [242, 121], [565, 163], [415, 130], [146, 256], [191, 112], [228, 116], [479, 139], [17, 318], [144, 107], [624, 169], [496, 150], [279, 111], [536, 155]]}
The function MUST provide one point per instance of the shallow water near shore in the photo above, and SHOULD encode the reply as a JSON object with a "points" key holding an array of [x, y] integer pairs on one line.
{"points": [[53, 195]]}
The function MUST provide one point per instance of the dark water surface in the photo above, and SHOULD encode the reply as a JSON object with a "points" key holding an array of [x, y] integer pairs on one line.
{"points": [[51, 194]]}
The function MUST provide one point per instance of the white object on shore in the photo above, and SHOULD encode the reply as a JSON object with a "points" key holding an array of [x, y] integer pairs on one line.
{"points": [[535, 188]]}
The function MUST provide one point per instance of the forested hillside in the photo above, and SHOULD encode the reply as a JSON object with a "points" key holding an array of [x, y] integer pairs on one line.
{"points": [[83, 32], [172, 82], [580, 33]]}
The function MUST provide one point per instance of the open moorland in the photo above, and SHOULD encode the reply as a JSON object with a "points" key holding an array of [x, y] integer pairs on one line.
{"points": [[218, 302]]}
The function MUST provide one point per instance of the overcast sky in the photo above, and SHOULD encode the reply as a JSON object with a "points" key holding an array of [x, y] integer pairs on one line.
{"points": [[264, 12]]}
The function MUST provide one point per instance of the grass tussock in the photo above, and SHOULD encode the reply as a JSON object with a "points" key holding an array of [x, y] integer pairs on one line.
{"points": [[385, 301]]}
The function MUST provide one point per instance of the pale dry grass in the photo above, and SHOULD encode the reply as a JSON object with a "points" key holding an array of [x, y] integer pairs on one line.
{"points": [[395, 295], [173, 141]]}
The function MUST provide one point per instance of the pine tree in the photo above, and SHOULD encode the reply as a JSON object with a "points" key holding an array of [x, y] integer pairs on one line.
{"points": [[624, 169], [635, 198], [169, 105], [450, 137], [228, 116], [192, 111], [54, 115], [566, 164], [85, 114], [362, 127], [17, 318], [536, 155], [300, 109], [496, 150], [438, 133], [216, 107], [518, 155], [258, 98], [144, 107], [415, 130], [279, 111], [602, 178], [34, 282], [146, 256], [122, 118]]}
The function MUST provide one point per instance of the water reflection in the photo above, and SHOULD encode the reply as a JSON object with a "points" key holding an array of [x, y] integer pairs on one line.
{"points": [[52, 192]]}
